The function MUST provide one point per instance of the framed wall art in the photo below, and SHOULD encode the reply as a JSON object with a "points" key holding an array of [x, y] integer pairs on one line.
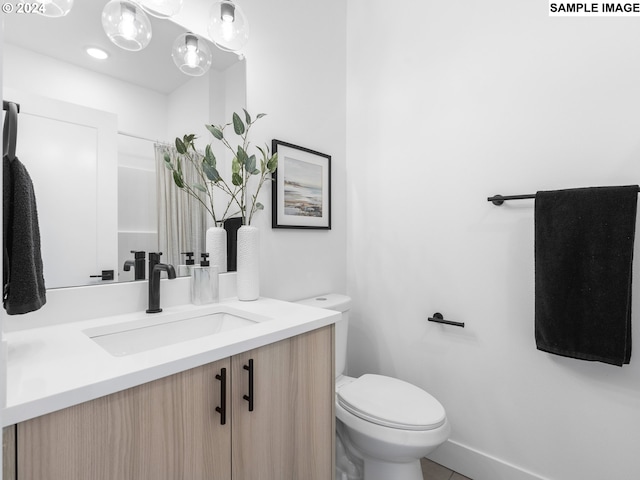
{"points": [[301, 188]]}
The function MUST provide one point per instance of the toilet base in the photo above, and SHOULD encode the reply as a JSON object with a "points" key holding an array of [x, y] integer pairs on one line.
{"points": [[380, 470]]}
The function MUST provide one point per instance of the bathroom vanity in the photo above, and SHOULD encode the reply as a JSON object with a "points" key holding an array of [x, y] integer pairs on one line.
{"points": [[252, 402]]}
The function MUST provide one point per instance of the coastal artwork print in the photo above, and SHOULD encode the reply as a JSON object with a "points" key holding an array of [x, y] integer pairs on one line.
{"points": [[302, 188]]}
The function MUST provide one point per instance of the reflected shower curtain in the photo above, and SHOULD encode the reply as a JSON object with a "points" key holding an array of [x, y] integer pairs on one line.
{"points": [[182, 220]]}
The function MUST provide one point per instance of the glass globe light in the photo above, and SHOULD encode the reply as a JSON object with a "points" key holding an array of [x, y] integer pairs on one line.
{"points": [[161, 8], [126, 25], [228, 27], [55, 8], [191, 54]]}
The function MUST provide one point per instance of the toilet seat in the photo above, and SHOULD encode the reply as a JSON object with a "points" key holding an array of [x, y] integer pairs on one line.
{"points": [[392, 403]]}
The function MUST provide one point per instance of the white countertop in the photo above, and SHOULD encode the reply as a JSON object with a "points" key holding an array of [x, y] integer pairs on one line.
{"points": [[54, 367]]}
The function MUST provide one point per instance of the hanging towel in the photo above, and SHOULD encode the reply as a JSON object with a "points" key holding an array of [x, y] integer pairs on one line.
{"points": [[583, 261], [24, 289]]}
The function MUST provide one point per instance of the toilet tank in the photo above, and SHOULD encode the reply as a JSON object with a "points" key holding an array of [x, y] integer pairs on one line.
{"points": [[340, 303]]}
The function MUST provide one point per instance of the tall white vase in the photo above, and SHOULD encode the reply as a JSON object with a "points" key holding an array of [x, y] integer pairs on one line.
{"points": [[216, 245], [248, 280]]}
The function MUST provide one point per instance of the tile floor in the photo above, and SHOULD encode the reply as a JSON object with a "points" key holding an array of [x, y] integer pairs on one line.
{"points": [[434, 471]]}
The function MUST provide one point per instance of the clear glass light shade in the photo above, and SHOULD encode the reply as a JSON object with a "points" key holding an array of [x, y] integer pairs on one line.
{"points": [[191, 54], [161, 8], [126, 25], [228, 27], [55, 8]]}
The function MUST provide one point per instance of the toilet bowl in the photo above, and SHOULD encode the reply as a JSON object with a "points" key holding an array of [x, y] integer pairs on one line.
{"points": [[390, 424]]}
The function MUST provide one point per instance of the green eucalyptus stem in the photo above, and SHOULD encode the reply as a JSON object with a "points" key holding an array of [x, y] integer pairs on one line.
{"points": [[238, 189], [243, 167]]}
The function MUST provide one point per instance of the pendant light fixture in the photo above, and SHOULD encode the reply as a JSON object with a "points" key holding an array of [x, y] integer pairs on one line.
{"points": [[54, 8], [191, 54], [161, 8], [126, 25], [228, 27]]}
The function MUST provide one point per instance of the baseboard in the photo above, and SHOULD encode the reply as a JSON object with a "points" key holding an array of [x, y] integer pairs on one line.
{"points": [[478, 465]]}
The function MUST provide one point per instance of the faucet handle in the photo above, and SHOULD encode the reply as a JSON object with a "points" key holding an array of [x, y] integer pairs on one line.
{"points": [[189, 260], [138, 253]]}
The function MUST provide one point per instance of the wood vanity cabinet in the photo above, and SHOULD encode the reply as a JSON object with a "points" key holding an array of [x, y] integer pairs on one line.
{"points": [[170, 429]]}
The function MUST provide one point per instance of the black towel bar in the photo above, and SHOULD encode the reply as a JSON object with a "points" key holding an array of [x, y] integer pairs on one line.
{"points": [[438, 318], [500, 199]]}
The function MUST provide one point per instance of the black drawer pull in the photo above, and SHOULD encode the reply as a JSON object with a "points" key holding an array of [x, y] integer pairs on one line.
{"points": [[222, 409], [249, 398]]}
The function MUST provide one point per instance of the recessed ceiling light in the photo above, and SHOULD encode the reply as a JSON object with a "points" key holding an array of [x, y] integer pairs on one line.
{"points": [[97, 53]]}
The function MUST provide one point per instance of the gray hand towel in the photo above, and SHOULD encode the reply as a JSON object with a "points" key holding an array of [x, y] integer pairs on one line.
{"points": [[24, 289]]}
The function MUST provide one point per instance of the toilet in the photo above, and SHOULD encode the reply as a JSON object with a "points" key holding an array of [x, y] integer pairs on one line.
{"points": [[390, 424]]}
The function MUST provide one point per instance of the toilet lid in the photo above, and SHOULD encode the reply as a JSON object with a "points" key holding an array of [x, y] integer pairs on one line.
{"points": [[391, 402]]}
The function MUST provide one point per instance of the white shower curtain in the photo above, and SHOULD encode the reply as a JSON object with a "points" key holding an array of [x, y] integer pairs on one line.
{"points": [[182, 220]]}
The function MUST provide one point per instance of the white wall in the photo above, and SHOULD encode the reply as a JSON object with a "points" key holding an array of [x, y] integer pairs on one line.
{"points": [[455, 102], [296, 75]]}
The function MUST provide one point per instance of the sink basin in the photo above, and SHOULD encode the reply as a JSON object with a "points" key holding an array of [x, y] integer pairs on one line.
{"points": [[141, 335]]}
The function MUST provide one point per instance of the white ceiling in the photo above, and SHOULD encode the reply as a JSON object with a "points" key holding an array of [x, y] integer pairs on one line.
{"points": [[66, 38]]}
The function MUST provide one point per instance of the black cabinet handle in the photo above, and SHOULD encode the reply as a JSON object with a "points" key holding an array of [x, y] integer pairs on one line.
{"points": [[222, 409], [249, 398]]}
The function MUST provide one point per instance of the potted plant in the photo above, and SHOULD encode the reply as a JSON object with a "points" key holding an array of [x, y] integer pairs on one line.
{"points": [[248, 175]]}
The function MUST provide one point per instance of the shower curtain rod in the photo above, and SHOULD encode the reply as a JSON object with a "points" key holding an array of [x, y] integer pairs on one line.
{"points": [[500, 199], [132, 135]]}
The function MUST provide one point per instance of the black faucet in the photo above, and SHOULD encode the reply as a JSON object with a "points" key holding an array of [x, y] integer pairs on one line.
{"points": [[137, 264], [154, 259], [155, 269]]}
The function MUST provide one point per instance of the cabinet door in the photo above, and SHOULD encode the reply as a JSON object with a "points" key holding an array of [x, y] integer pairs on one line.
{"points": [[289, 435], [163, 430]]}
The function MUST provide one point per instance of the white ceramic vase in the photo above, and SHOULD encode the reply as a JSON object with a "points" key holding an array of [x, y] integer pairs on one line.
{"points": [[216, 245], [248, 275]]}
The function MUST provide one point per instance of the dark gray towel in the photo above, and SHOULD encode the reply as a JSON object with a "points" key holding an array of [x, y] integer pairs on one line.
{"points": [[583, 262], [24, 289]]}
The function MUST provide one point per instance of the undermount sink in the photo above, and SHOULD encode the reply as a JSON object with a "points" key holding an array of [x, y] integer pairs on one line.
{"points": [[146, 334]]}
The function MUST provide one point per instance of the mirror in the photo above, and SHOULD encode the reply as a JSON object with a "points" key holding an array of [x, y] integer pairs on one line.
{"points": [[87, 129]]}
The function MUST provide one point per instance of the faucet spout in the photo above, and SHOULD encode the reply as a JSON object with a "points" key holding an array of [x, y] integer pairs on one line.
{"points": [[138, 264], [154, 285]]}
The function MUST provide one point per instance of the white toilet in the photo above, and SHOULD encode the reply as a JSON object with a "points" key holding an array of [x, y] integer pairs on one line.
{"points": [[390, 423]]}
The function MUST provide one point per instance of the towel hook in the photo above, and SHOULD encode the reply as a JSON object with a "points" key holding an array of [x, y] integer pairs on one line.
{"points": [[10, 131]]}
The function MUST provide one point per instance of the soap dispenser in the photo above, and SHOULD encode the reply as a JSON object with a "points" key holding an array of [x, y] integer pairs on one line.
{"points": [[185, 270], [204, 282]]}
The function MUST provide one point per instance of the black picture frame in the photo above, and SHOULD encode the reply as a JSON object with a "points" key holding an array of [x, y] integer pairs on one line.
{"points": [[301, 190]]}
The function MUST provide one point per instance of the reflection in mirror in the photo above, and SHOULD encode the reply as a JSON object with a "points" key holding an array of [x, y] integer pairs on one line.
{"points": [[88, 129]]}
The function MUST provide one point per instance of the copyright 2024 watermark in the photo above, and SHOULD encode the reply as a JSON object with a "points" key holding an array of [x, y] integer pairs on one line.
{"points": [[593, 9], [23, 7]]}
